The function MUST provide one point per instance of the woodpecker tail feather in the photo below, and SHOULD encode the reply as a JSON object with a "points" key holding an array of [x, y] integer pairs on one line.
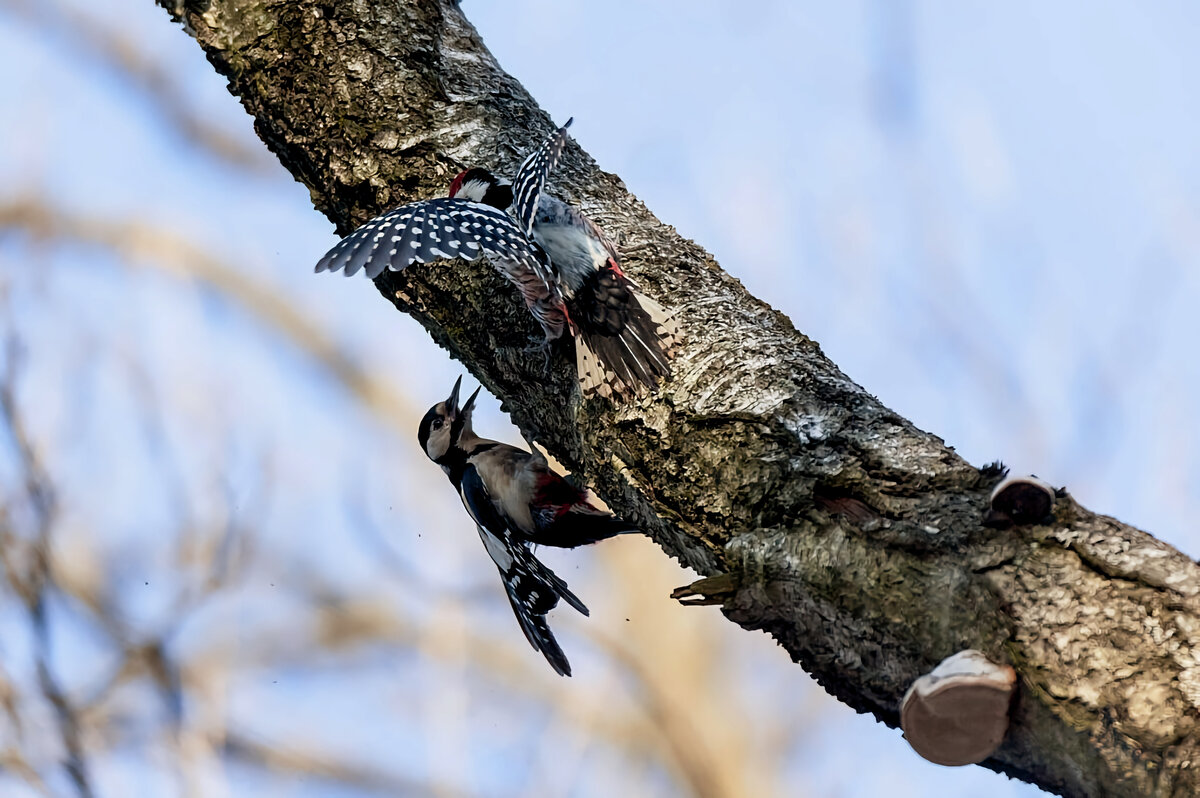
{"points": [[537, 632], [534, 590], [662, 327], [582, 525], [631, 360]]}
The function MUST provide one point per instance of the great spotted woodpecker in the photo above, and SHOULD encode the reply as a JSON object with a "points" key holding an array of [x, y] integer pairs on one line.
{"points": [[564, 266], [624, 340], [516, 501]]}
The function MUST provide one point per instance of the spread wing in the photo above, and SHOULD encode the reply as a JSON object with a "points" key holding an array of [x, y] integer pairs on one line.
{"points": [[531, 177], [444, 228], [447, 228], [533, 589]]}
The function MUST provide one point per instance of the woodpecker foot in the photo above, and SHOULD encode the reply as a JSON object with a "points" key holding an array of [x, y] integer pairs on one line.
{"points": [[542, 349], [538, 456]]}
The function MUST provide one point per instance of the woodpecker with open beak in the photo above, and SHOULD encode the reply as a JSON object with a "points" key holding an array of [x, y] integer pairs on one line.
{"points": [[566, 269], [516, 501]]}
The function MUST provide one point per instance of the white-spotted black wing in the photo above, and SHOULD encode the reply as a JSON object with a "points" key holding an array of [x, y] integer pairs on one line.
{"points": [[533, 589], [444, 228], [531, 177]]}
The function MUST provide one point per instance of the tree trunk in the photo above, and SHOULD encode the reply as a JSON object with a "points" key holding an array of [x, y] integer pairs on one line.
{"points": [[822, 517]]}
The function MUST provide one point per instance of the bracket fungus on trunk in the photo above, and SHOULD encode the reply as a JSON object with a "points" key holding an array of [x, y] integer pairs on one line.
{"points": [[958, 713], [1018, 501]]}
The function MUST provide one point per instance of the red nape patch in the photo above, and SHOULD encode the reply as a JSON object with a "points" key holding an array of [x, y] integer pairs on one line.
{"points": [[457, 182], [554, 491], [612, 262]]}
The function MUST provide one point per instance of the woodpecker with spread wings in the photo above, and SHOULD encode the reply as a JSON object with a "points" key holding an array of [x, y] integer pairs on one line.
{"points": [[624, 340], [516, 501], [566, 269]]}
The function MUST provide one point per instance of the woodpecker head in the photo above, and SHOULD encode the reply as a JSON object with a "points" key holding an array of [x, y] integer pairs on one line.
{"points": [[480, 185], [444, 425]]}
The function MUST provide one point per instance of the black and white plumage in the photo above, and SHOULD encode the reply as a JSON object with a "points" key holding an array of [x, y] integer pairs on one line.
{"points": [[629, 339], [567, 270], [516, 501], [446, 228], [624, 340], [531, 179]]}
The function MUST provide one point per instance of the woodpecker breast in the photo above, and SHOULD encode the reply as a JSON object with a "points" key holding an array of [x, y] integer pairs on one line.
{"points": [[573, 243], [511, 482]]}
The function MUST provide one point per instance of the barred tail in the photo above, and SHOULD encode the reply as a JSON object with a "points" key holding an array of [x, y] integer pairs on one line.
{"points": [[632, 361], [533, 590]]}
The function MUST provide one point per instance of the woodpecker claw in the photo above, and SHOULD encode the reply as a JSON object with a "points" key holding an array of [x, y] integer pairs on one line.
{"points": [[542, 349], [534, 450]]}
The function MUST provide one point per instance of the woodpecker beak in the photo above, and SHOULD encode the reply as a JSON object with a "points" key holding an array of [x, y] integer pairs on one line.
{"points": [[470, 405], [452, 402]]}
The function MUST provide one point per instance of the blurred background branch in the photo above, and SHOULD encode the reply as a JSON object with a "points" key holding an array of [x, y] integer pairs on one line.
{"points": [[27, 564], [97, 40], [141, 245]]}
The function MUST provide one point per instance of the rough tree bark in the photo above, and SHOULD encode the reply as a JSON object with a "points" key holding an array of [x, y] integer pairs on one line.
{"points": [[821, 516]]}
